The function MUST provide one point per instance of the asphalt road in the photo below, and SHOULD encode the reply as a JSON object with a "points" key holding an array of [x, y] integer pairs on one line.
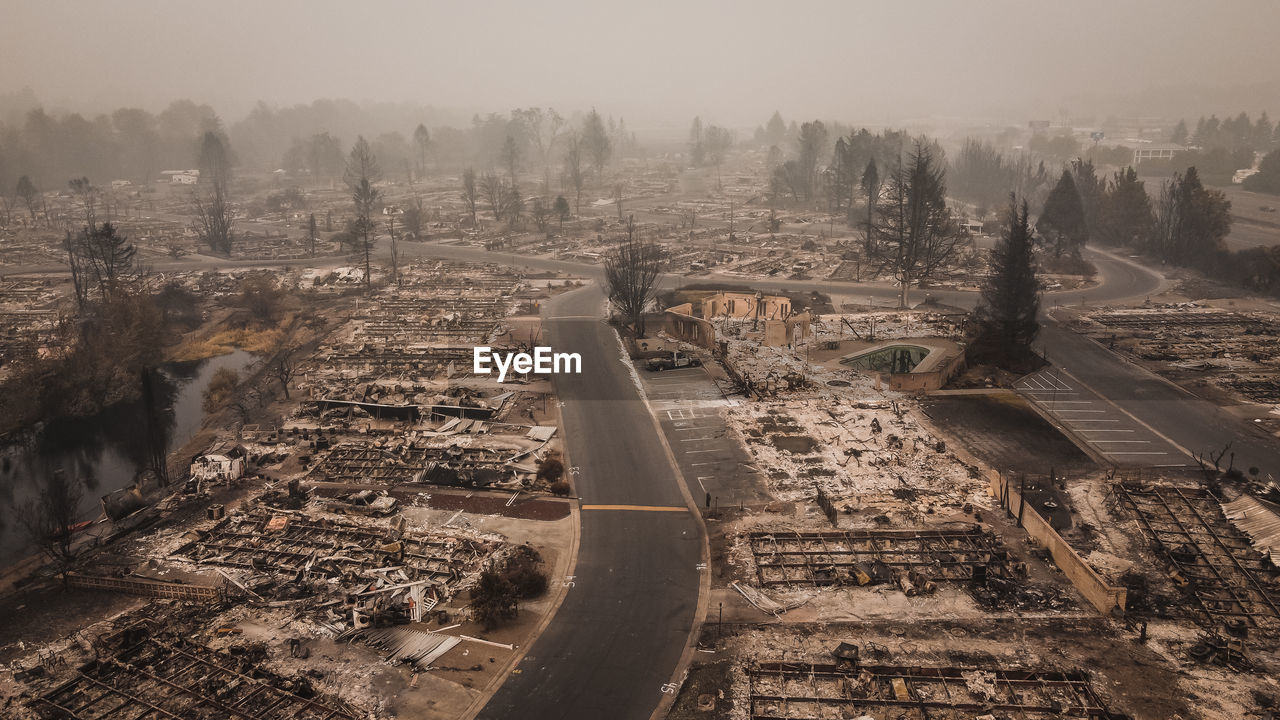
{"points": [[613, 645], [1190, 424], [1116, 436], [1119, 278]]}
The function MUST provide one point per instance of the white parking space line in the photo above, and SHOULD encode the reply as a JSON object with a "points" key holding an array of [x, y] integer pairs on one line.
{"points": [[699, 427], [1086, 430], [694, 452], [1139, 452], [1063, 402], [709, 437], [1116, 442]]}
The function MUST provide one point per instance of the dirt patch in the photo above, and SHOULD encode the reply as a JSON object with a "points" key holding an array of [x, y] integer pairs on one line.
{"points": [[999, 429], [527, 509], [42, 615]]}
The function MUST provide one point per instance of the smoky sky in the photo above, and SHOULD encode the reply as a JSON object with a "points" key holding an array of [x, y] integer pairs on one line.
{"points": [[654, 60]]}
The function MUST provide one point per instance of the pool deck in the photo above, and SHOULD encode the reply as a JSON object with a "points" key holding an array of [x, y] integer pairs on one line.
{"points": [[940, 350]]}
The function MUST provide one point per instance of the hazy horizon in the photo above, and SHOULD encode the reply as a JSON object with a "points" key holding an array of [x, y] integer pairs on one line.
{"points": [[657, 63]]}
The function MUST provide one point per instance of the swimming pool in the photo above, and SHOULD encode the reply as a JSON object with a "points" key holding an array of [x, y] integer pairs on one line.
{"points": [[888, 359]]}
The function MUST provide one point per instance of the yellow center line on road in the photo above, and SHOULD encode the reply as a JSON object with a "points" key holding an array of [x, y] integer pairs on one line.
{"points": [[638, 508]]}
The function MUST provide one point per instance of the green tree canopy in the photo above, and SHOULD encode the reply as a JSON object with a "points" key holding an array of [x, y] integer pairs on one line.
{"points": [[1062, 221]]}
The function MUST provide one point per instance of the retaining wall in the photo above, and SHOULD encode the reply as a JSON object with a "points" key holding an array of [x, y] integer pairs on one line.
{"points": [[1106, 598]]}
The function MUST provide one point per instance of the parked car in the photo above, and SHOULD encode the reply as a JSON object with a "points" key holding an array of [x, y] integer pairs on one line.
{"points": [[675, 360]]}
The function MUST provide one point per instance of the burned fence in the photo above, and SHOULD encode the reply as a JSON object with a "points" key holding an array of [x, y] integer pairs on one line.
{"points": [[147, 671], [804, 691], [855, 556], [1232, 583]]}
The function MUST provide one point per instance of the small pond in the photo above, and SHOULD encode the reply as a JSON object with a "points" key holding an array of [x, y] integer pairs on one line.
{"points": [[105, 450]]}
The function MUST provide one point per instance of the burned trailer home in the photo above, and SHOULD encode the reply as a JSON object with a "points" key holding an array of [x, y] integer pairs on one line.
{"points": [[796, 691], [148, 670], [1234, 586], [390, 398], [305, 548], [913, 560]]}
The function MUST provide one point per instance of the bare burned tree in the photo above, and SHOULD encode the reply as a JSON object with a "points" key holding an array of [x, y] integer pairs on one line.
{"points": [[212, 201], [492, 189], [362, 172], [631, 272], [470, 194], [214, 219], [574, 174], [543, 128], [916, 235], [541, 214], [50, 518], [88, 194], [284, 366], [29, 194], [1214, 460], [76, 263]]}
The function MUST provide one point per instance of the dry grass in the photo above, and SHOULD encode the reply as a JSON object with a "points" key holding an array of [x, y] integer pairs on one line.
{"points": [[220, 341]]}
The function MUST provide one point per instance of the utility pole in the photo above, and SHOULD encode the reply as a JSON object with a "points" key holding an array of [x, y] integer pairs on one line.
{"points": [[395, 270]]}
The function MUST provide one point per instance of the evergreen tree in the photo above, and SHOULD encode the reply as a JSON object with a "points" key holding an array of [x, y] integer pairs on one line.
{"points": [[362, 172], [1180, 133], [1005, 320], [596, 143], [1206, 217], [1090, 188], [1192, 222], [871, 189], [1126, 215], [1267, 179], [1062, 222]]}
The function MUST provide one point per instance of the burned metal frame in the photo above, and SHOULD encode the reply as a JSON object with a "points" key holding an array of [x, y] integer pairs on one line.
{"points": [[362, 464], [1187, 527], [152, 673], [821, 558], [330, 549], [1164, 321], [805, 691]]}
